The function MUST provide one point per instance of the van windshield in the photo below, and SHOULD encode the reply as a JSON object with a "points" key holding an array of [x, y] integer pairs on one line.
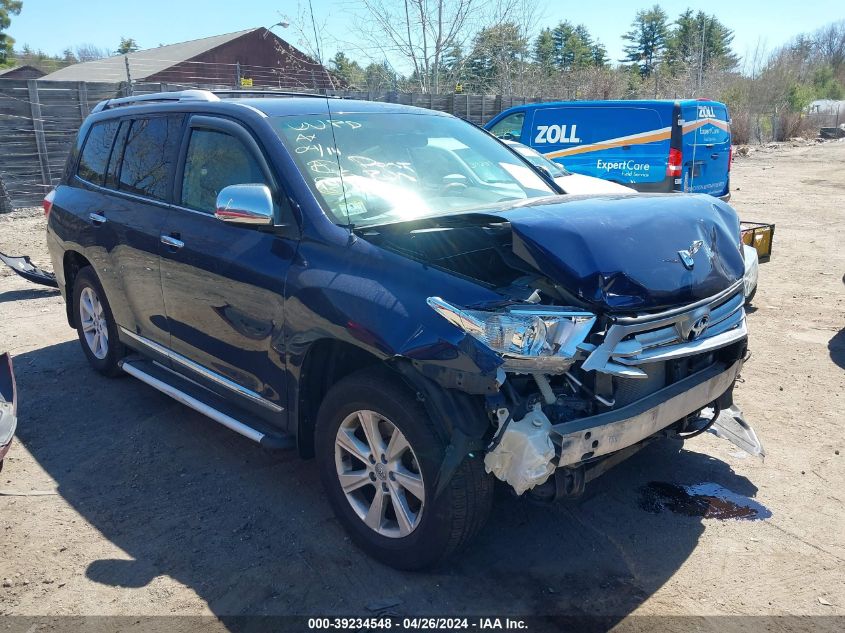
{"points": [[376, 168]]}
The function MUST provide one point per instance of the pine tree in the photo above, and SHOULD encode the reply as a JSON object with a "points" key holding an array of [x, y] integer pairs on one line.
{"points": [[8, 8], [647, 40], [127, 45], [573, 47], [350, 73], [598, 54], [699, 41], [544, 51]]}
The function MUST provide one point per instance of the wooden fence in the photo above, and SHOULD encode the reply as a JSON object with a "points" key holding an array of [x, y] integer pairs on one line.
{"points": [[39, 121]]}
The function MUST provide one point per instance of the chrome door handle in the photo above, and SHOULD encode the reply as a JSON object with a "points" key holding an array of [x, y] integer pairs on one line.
{"points": [[97, 219], [172, 242]]}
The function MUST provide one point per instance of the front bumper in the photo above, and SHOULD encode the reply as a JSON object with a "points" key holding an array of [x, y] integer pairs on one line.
{"points": [[598, 435]]}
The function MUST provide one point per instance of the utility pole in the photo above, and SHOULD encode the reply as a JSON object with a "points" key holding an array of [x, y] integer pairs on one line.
{"points": [[237, 75], [701, 53], [655, 82], [128, 77]]}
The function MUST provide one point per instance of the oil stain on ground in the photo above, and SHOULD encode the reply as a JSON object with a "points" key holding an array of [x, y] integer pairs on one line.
{"points": [[707, 500]]}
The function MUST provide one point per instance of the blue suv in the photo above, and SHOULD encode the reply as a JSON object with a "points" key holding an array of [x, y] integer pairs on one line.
{"points": [[399, 294]]}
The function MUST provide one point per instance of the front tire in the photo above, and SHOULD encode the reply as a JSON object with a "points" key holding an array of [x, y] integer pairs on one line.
{"points": [[95, 324], [379, 457]]}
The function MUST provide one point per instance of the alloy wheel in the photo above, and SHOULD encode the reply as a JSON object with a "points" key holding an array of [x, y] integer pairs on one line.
{"points": [[94, 324], [379, 474]]}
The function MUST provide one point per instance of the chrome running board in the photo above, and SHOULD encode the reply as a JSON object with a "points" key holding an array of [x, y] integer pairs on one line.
{"points": [[198, 369], [198, 398]]}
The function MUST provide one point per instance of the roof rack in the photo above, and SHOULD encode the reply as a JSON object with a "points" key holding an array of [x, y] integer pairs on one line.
{"points": [[200, 95], [181, 95], [273, 93]]}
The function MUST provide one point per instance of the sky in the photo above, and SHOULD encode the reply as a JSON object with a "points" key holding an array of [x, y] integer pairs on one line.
{"points": [[53, 25]]}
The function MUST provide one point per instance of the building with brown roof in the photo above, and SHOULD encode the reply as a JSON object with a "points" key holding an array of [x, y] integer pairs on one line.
{"points": [[252, 58]]}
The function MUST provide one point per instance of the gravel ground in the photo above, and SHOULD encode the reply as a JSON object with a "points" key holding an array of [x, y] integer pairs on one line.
{"points": [[115, 500]]}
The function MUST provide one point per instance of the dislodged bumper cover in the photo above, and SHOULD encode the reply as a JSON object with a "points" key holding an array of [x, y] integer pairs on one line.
{"points": [[29, 271], [731, 426], [612, 431], [8, 404]]}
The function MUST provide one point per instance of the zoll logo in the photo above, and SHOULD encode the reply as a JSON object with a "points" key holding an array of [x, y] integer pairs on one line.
{"points": [[556, 134], [706, 112]]}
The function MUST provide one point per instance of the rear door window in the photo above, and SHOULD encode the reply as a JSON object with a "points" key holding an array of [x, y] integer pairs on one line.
{"points": [[149, 157], [113, 169], [706, 124], [216, 160], [95, 154]]}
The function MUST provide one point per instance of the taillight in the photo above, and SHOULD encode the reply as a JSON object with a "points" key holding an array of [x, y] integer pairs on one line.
{"points": [[48, 202], [730, 157], [673, 168]]}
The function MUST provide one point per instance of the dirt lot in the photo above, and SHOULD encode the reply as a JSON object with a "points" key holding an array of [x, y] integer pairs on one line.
{"points": [[117, 500]]}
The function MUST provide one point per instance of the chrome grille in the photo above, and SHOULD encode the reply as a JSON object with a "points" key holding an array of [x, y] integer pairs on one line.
{"points": [[701, 327]]}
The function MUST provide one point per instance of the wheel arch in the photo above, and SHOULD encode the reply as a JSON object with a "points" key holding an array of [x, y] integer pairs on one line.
{"points": [[459, 416], [326, 362], [72, 263]]}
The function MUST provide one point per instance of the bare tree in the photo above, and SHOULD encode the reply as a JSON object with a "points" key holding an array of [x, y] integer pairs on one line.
{"points": [[424, 32], [308, 30], [90, 52], [830, 45]]}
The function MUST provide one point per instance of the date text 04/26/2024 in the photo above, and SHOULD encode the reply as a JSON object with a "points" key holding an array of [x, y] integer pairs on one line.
{"points": [[423, 623]]}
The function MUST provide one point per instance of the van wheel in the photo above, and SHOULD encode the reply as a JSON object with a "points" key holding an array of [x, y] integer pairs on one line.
{"points": [[379, 457], [95, 324]]}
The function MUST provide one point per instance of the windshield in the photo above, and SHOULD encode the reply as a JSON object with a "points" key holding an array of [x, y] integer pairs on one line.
{"points": [[536, 158], [376, 168]]}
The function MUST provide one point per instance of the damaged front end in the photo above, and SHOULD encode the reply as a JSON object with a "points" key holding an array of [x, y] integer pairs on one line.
{"points": [[616, 320], [584, 391]]}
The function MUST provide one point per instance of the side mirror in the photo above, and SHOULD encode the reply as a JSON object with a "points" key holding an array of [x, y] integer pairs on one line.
{"points": [[250, 205]]}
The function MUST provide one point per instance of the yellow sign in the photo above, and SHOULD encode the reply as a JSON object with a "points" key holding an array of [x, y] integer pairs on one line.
{"points": [[246, 82], [459, 88]]}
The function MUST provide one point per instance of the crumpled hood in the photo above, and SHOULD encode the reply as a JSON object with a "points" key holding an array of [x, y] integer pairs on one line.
{"points": [[621, 253]]}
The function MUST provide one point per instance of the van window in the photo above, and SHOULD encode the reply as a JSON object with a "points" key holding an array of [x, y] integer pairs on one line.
{"points": [[150, 155], [95, 154], [510, 128], [216, 160]]}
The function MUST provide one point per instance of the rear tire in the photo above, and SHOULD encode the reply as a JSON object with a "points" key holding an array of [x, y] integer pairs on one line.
{"points": [[409, 532], [95, 324]]}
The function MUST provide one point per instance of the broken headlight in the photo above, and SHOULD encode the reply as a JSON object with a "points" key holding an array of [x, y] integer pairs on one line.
{"points": [[529, 338]]}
